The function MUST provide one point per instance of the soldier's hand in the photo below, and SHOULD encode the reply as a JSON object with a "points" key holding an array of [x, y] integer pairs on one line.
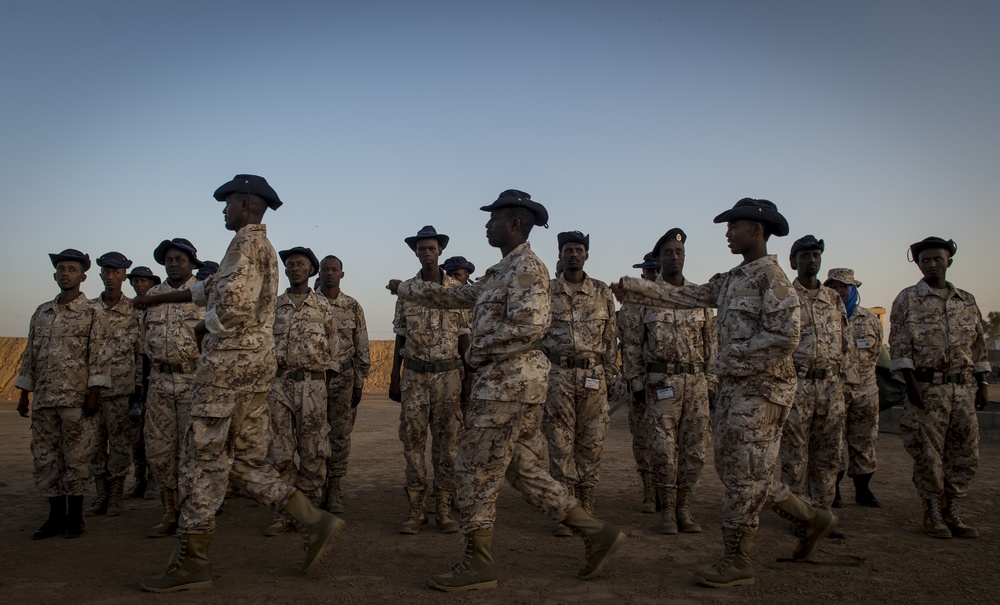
{"points": [[92, 403], [393, 285], [356, 397], [915, 396], [395, 393], [982, 396], [22, 405], [639, 396], [200, 330], [618, 288], [467, 380], [144, 302]]}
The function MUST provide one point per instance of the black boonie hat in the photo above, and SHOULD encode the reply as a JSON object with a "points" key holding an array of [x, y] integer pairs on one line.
{"points": [[575, 237], [114, 260], [520, 199], [145, 272], [249, 183], [761, 211], [306, 252], [71, 254], [808, 242], [649, 261], [427, 232], [674, 235], [932, 242], [208, 268], [160, 253], [458, 262]]}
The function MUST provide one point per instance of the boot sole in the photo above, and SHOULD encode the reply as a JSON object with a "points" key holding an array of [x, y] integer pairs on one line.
{"points": [[741, 582], [611, 550], [180, 588], [328, 540], [817, 540], [479, 586]]}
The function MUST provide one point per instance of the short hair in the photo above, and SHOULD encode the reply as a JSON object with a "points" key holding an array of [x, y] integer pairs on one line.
{"points": [[332, 257], [525, 217]]}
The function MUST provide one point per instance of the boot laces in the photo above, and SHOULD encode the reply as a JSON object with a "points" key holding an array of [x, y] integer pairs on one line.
{"points": [[934, 513], [951, 512], [467, 556]]}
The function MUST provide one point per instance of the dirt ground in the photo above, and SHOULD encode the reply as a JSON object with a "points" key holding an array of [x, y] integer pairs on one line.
{"points": [[884, 559]]}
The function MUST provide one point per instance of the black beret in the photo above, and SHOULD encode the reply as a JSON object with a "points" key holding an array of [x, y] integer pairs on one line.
{"points": [[428, 232], [114, 260], [649, 261], [808, 242], [574, 237], [160, 253], [458, 262], [145, 272], [208, 268], [306, 252], [933, 242], [760, 211], [674, 235], [520, 199], [71, 254], [249, 183]]}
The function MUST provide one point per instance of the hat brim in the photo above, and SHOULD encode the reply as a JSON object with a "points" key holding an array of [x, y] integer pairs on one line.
{"points": [[919, 247], [284, 254], [160, 253], [441, 238], [55, 258], [539, 211], [266, 192], [771, 218]]}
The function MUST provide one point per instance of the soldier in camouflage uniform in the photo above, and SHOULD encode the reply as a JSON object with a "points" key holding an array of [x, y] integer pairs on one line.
{"points": [[860, 389], [426, 378], [65, 367], [305, 347], [811, 446], [170, 344], [345, 389], [674, 349], [458, 268], [938, 343], [580, 345], [758, 326], [142, 279], [116, 433], [630, 326], [502, 434], [229, 426]]}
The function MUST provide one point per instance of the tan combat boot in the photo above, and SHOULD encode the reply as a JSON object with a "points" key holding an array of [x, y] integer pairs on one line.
{"points": [[189, 567], [445, 522], [953, 520], [735, 567], [685, 521], [168, 523], [416, 518], [100, 505], [648, 495], [668, 511], [810, 524], [278, 527], [601, 539], [115, 493], [318, 528], [476, 570]]}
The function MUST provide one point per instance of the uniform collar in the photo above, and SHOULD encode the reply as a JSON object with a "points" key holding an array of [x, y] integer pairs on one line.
{"points": [[588, 285], [926, 290]]}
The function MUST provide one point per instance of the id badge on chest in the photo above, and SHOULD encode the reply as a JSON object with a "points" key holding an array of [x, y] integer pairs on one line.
{"points": [[664, 392], [863, 343], [592, 383]]}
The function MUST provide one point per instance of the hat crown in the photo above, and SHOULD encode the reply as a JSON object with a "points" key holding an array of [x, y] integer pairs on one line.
{"points": [[428, 231], [115, 260]]}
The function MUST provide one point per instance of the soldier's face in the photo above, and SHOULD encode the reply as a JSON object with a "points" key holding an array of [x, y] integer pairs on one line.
{"points": [[297, 269], [69, 274], [651, 273], [499, 229], [573, 256], [236, 211], [839, 287], [807, 262], [113, 278], [934, 263], [741, 235], [672, 258], [461, 275], [178, 265], [428, 251], [141, 285], [330, 273]]}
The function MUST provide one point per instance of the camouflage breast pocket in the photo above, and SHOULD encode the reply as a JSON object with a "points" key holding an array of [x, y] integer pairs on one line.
{"points": [[76, 327], [490, 309], [741, 317]]}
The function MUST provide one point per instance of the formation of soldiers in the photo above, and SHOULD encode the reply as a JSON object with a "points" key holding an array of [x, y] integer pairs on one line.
{"points": [[209, 379]]}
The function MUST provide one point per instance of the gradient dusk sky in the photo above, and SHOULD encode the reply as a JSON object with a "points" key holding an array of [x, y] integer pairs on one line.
{"points": [[871, 124]]}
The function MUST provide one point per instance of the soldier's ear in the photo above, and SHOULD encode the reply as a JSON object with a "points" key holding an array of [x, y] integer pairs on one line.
{"points": [[83, 277], [950, 261]]}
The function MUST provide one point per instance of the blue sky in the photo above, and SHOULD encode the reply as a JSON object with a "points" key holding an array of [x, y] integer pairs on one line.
{"points": [[871, 125]]}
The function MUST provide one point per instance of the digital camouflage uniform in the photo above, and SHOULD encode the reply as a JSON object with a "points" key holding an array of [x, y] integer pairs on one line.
{"points": [[230, 425], [580, 345], [116, 434], [305, 347], [861, 395], [354, 362], [758, 327], [169, 343], [501, 434], [812, 445], [64, 357], [940, 336], [674, 349], [630, 329], [431, 386]]}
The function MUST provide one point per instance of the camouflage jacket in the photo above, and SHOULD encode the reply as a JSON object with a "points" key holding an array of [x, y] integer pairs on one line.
{"points": [[353, 341], [757, 323], [663, 335], [511, 311], [305, 338], [168, 330], [64, 356], [825, 337], [431, 334], [124, 352], [935, 332], [866, 330], [238, 351], [630, 330], [583, 323]]}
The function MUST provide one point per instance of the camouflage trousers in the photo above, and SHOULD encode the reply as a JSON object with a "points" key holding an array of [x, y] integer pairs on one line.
{"points": [[430, 401], [62, 445], [746, 458], [812, 445], [680, 428], [640, 438], [300, 442], [860, 432], [503, 439], [341, 417], [114, 440], [575, 422], [168, 408], [943, 440], [227, 440]]}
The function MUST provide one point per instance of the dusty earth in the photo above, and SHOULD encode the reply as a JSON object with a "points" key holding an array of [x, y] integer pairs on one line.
{"points": [[884, 559]]}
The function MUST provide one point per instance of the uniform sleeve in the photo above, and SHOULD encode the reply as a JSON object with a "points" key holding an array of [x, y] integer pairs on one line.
{"points": [[777, 337], [980, 356], [900, 338], [199, 291], [26, 376], [710, 340], [239, 285], [362, 357], [332, 337], [399, 318], [632, 331], [645, 292], [98, 351], [525, 319], [610, 337], [436, 296], [137, 351]]}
